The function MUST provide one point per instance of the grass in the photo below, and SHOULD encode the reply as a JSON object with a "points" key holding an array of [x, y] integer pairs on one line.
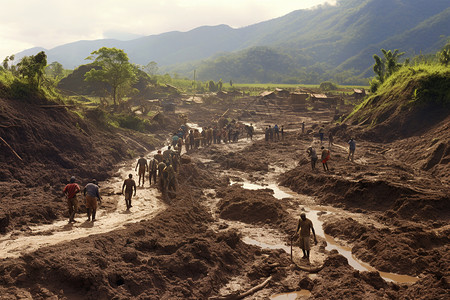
{"points": [[411, 86]]}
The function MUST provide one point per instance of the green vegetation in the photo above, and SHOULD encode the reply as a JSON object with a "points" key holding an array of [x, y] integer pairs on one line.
{"points": [[411, 87], [26, 81], [115, 70]]}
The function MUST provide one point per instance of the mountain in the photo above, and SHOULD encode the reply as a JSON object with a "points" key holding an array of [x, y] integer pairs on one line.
{"points": [[340, 38]]}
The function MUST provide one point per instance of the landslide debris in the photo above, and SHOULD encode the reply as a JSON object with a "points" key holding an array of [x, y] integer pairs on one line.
{"points": [[54, 144]]}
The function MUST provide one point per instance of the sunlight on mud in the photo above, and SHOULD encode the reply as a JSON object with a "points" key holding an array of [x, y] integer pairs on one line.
{"points": [[145, 206]]}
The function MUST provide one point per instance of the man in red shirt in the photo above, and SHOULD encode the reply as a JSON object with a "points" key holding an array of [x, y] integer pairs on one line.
{"points": [[71, 191]]}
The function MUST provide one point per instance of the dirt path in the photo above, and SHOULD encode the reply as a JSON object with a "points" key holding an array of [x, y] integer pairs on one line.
{"points": [[112, 216]]}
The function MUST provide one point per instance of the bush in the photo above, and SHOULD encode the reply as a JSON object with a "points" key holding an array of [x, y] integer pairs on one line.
{"points": [[132, 122], [328, 86]]}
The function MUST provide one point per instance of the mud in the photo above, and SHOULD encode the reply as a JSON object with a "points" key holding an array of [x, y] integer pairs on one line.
{"points": [[215, 240]]}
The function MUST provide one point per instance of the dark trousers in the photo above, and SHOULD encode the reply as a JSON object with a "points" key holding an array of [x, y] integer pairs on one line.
{"points": [[152, 174]]}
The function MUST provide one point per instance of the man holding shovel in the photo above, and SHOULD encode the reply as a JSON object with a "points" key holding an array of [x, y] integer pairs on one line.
{"points": [[305, 226]]}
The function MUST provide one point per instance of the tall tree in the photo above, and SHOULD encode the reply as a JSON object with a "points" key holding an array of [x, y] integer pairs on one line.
{"points": [[444, 55], [55, 69], [116, 70], [386, 66], [32, 68], [151, 68]]}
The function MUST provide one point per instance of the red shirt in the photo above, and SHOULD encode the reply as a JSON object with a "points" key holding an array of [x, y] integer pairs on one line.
{"points": [[71, 190]]}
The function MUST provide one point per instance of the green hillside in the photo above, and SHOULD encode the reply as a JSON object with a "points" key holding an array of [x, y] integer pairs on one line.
{"points": [[325, 43], [410, 101]]}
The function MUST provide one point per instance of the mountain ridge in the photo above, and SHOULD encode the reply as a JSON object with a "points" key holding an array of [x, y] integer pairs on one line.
{"points": [[342, 37]]}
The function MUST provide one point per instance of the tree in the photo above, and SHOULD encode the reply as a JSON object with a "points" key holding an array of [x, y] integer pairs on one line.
{"points": [[151, 68], [327, 86], [7, 60], [386, 66], [32, 68], [116, 71], [444, 55], [55, 69], [211, 86]]}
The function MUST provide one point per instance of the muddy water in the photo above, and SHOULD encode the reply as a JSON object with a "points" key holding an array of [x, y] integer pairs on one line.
{"points": [[303, 294], [145, 206], [314, 215]]}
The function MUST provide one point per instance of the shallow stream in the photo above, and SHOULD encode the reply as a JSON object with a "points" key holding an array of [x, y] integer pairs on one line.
{"points": [[313, 213]]}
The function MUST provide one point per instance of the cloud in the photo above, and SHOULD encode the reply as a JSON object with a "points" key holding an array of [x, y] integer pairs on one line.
{"points": [[49, 23]]}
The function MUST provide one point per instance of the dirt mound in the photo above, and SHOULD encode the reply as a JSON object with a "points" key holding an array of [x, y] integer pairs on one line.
{"points": [[75, 83], [253, 207], [361, 187], [408, 249], [53, 144], [162, 258], [342, 282]]}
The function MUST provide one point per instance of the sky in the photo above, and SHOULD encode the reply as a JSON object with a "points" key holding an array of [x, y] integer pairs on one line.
{"points": [[49, 23]]}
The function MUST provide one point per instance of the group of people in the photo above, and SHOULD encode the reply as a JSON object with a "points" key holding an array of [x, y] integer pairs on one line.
{"points": [[162, 168], [274, 133], [194, 138], [91, 196], [326, 155]]}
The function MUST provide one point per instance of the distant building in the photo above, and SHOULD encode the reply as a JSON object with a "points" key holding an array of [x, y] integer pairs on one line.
{"points": [[268, 95], [298, 101], [359, 93], [282, 93]]}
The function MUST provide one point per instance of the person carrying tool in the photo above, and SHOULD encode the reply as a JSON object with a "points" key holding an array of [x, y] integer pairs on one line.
{"points": [[305, 226]]}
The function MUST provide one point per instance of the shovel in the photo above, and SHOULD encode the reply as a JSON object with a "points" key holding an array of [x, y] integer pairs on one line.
{"points": [[291, 250]]}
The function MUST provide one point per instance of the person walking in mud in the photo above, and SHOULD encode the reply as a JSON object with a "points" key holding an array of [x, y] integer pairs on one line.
{"points": [[171, 181], [330, 139], [303, 127], [304, 228], [321, 133], [276, 131], [313, 155], [71, 190], [129, 184], [152, 170], [92, 194], [167, 155], [282, 132], [158, 156], [351, 149], [325, 157], [142, 164], [161, 167]]}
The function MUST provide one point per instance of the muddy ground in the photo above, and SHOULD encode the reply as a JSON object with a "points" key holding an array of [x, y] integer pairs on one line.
{"points": [[206, 243]]}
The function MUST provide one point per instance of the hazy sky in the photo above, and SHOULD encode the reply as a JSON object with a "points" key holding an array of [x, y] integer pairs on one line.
{"points": [[49, 23]]}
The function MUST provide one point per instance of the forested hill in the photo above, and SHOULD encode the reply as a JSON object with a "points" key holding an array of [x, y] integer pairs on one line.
{"points": [[328, 39]]}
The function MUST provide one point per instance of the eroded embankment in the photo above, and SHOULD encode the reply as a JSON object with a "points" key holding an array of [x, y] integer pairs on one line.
{"points": [[173, 255]]}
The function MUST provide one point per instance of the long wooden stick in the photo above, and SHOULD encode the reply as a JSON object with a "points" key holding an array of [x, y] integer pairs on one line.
{"points": [[247, 293], [11, 149]]}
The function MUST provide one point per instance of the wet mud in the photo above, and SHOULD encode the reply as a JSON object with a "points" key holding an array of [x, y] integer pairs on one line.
{"points": [[228, 228]]}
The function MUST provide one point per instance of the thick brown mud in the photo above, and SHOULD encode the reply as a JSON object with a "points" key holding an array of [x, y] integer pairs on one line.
{"points": [[228, 228]]}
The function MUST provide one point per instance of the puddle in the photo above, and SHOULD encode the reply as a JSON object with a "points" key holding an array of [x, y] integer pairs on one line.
{"points": [[277, 192], [145, 206], [332, 244], [291, 296]]}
